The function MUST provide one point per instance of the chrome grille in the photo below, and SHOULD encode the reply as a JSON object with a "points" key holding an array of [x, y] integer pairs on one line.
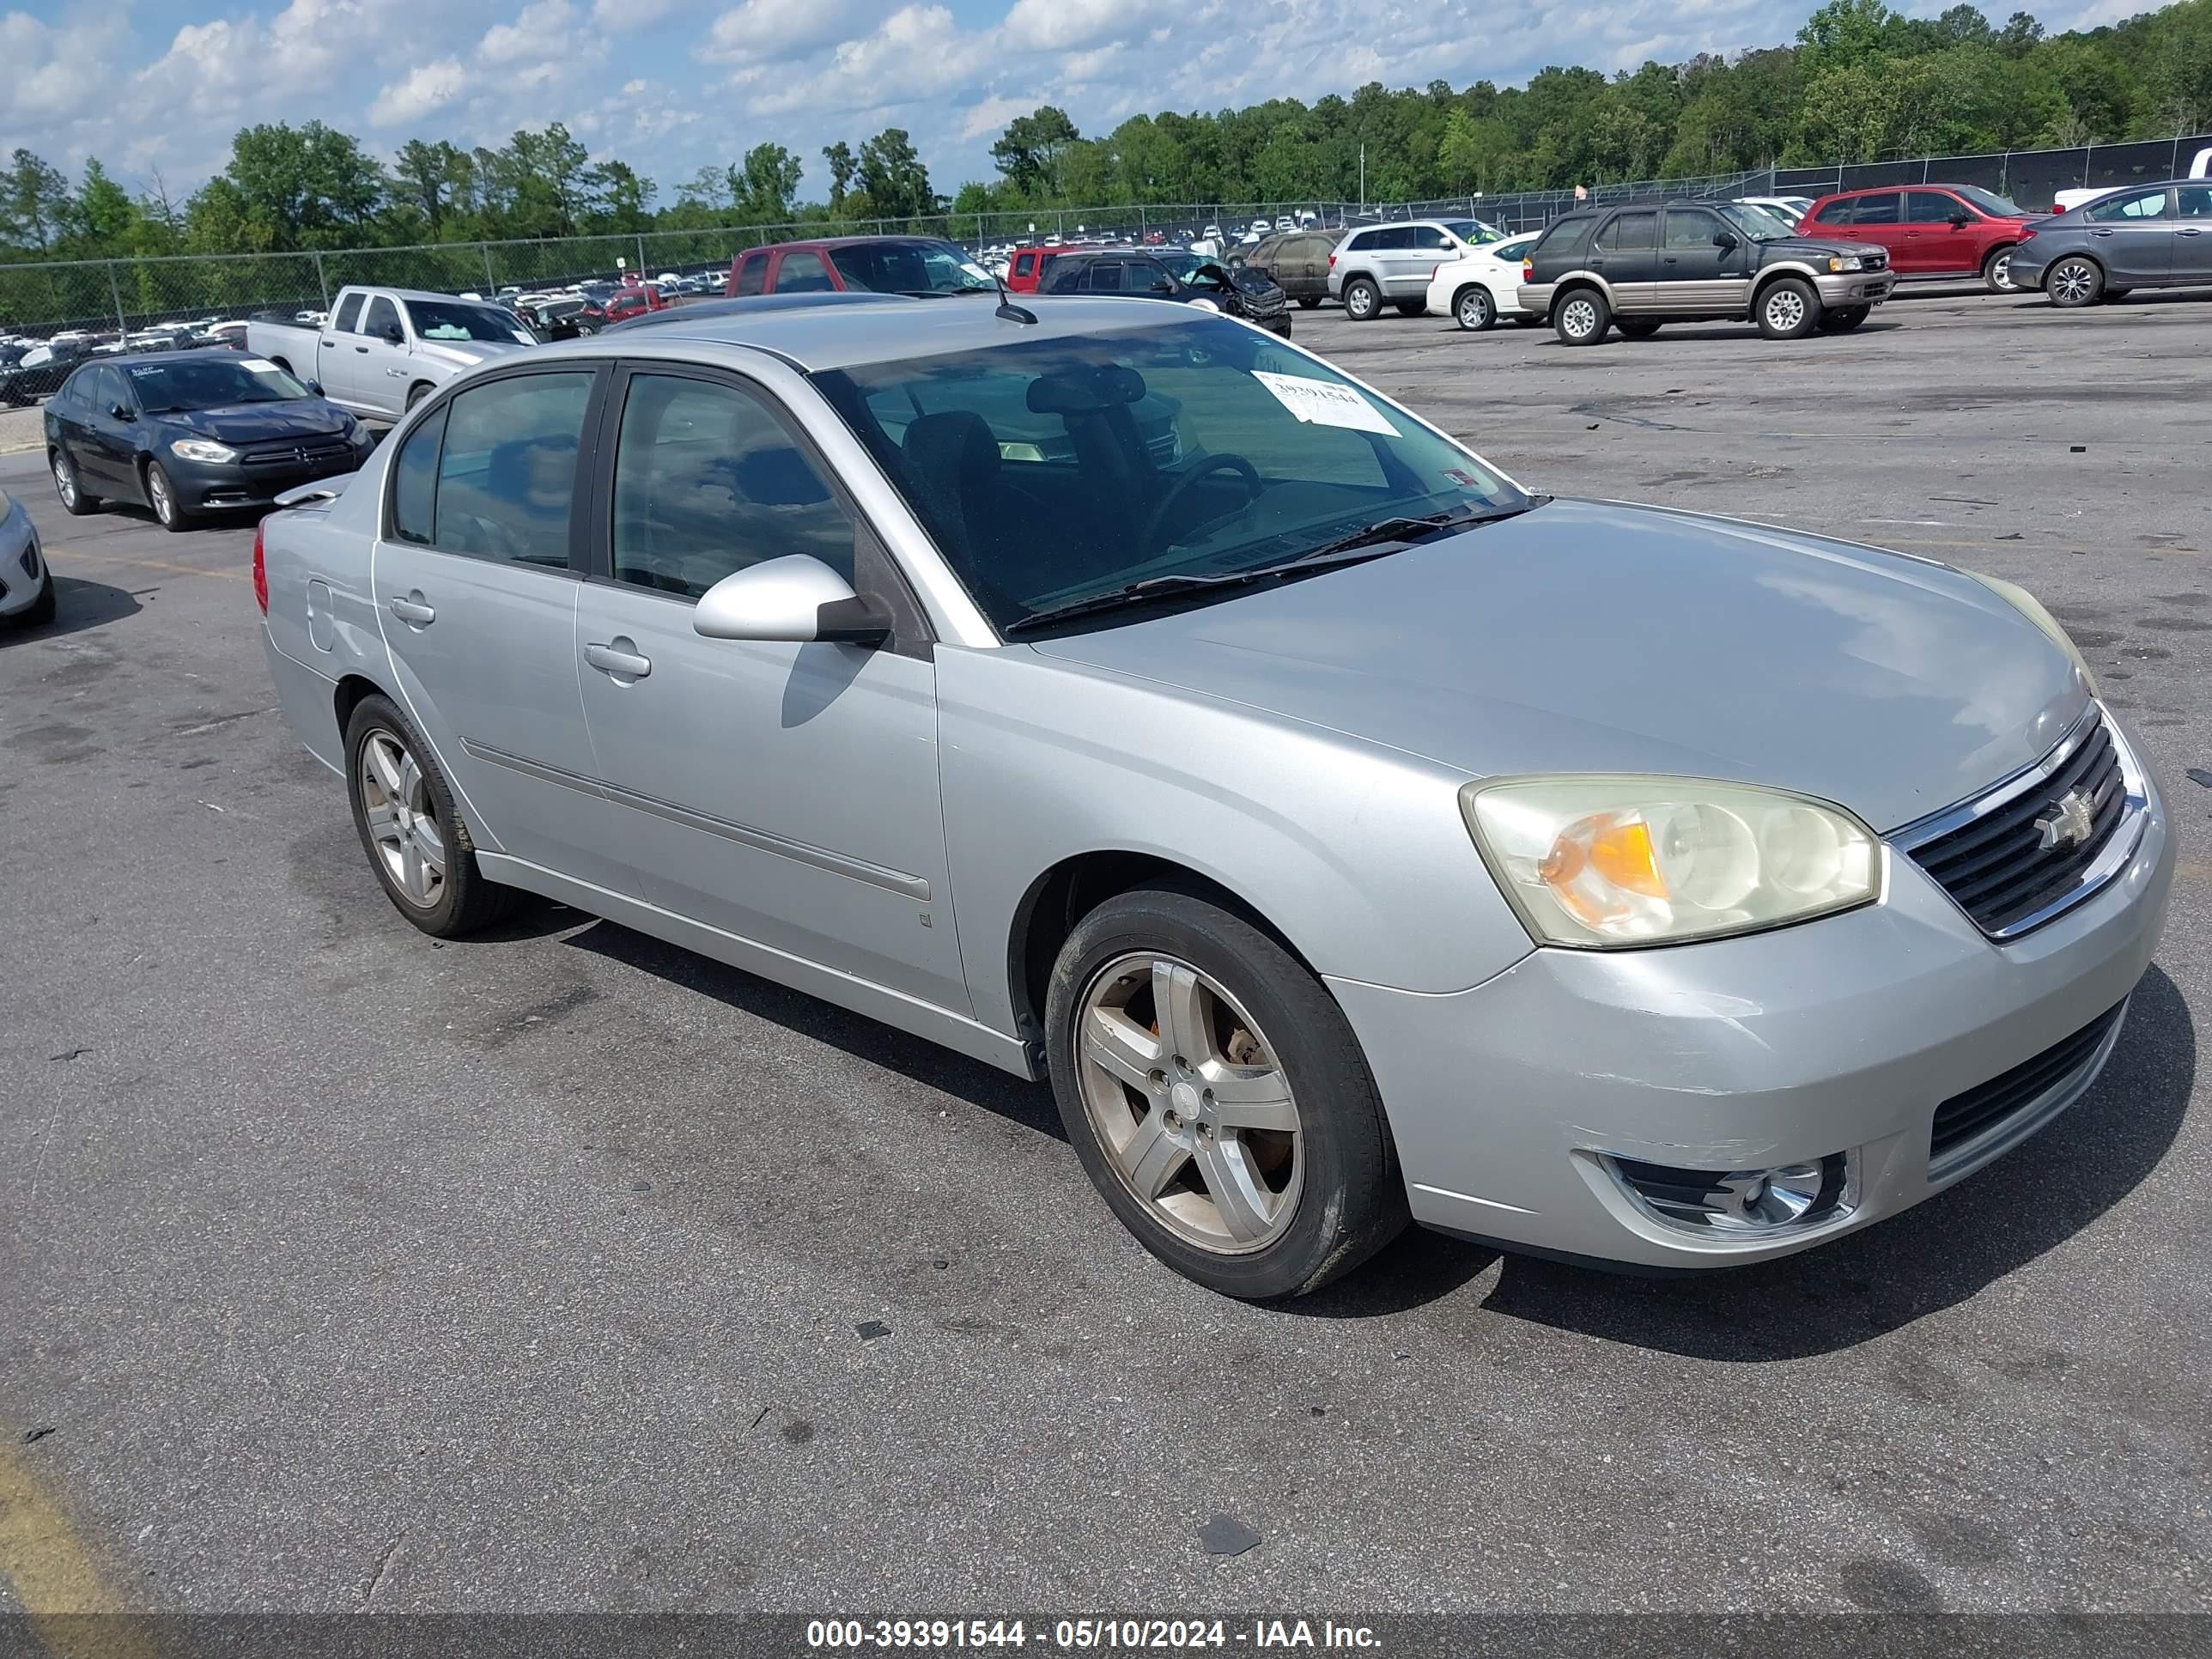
{"points": [[1965, 1117], [2040, 842]]}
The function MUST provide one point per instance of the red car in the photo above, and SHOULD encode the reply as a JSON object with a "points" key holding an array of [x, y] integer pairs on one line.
{"points": [[870, 264], [625, 303], [1929, 230]]}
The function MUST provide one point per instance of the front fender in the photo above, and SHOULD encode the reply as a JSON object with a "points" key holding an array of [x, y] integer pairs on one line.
{"points": [[1357, 853]]}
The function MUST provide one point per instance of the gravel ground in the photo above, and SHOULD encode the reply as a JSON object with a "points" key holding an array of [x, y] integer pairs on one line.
{"points": [[353, 1271]]}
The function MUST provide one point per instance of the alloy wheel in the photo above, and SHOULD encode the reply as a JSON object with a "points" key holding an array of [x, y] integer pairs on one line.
{"points": [[159, 496], [1475, 309], [1785, 310], [2072, 283], [402, 818], [1580, 318], [64, 479], [1361, 303], [2001, 273], [1189, 1102]]}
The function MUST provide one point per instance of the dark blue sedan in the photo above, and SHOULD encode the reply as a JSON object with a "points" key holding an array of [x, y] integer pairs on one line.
{"points": [[189, 433]]}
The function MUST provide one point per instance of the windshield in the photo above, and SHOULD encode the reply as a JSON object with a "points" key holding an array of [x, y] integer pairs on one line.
{"points": [[910, 268], [1758, 223], [1052, 470], [438, 320], [2002, 206], [1179, 263], [211, 383]]}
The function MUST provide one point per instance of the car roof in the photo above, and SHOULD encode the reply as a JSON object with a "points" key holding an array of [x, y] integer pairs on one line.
{"points": [[415, 294], [750, 305], [838, 241], [825, 337], [125, 359]]}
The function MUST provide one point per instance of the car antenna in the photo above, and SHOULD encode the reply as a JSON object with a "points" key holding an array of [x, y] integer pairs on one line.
{"points": [[1007, 308]]}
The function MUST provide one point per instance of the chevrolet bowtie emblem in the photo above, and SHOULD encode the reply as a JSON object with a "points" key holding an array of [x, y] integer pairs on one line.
{"points": [[2071, 820]]}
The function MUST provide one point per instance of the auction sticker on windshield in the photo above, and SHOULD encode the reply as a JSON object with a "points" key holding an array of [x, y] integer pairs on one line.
{"points": [[1324, 403]]}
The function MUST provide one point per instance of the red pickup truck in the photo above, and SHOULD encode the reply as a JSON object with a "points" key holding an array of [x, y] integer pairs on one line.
{"points": [[923, 265], [1929, 230]]}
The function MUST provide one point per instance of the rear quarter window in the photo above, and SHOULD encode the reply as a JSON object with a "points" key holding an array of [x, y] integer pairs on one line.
{"points": [[1567, 240]]}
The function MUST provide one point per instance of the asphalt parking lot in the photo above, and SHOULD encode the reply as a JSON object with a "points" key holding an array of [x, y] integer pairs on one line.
{"points": [[346, 1270]]}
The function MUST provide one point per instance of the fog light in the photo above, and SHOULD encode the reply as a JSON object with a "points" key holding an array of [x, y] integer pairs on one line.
{"points": [[1738, 1200]]}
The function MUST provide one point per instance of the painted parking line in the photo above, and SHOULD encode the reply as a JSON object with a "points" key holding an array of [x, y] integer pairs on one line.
{"points": [[49, 1568]]}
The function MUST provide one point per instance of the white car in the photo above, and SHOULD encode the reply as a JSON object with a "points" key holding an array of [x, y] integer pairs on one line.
{"points": [[2199, 169], [1789, 208], [1483, 284]]}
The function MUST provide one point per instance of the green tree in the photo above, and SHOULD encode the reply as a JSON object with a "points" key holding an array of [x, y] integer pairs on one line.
{"points": [[843, 168], [893, 178], [1030, 152], [765, 186], [34, 200]]}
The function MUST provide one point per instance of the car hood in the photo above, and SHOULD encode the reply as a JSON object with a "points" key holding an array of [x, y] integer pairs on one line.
{"points": [[1596, 637], [1799, 247], [253, 423]]}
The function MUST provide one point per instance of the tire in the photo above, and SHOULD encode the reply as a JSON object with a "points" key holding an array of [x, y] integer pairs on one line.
{"points": [[1845, 318], [1997, 271], [1474, 310], [1642, 328], [74, 501], [2073, 281], [440, 889], [2116, 294], [416, 392], [1582, 316], [1789, 309], [1316, 1199], [162, 496], [1362, 300], [1413, 307], [1308, 301]]}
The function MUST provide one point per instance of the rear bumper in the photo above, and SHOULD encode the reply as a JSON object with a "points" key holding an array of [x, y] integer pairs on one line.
{"points": [[1511, 1103], [1535, 297]]}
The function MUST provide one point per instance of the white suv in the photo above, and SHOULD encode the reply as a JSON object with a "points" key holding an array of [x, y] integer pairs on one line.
{"points": [[1389, 265]]}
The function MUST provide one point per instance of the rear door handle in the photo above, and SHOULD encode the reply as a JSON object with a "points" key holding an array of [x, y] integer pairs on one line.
{"points": [[617, 659], [361, 348], [411, 611], [2100, 232], [2191, 230]]}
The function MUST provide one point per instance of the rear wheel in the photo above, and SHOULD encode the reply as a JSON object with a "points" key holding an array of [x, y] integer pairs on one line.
{"points": [[416, 392], [74, 501], [1308, 301], [1642, 328], [1217, 1097], [2073, 281], [1582, 318], [1997, 271], [1844, 320], [1413, 307], [417, 843], [1472, 308], [2113, 294], [1789, 310], [1362, 300]]}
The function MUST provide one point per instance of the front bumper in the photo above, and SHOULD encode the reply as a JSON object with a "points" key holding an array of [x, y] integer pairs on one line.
{"points": [[23, 572], [217, 486], [1510, 1101], [1855, 288]]}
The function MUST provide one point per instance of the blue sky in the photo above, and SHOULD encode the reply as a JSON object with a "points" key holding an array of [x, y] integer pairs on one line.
{"points": [[670, 85]]}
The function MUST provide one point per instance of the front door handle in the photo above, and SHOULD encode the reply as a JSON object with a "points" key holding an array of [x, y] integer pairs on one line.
{"points": [[362, 349], [618, 659], [2191, 230], [2100, 232], [411, 609]]}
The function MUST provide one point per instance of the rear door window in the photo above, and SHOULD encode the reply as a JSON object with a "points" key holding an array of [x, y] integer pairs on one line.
{"points": [[1837, 213], [802, 272], [348, 314], [1629, 232], [1104, 276], [752, 274], [506, 471]]}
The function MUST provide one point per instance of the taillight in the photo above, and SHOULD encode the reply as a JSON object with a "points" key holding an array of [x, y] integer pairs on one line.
{"points": [[1433, 269], [260, 570], [2026, 231], [1332, 261], [1528, 270]]}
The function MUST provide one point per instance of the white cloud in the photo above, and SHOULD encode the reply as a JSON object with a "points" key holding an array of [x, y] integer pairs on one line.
{"points": [[430, 87], [542, 30], [770, 31]]}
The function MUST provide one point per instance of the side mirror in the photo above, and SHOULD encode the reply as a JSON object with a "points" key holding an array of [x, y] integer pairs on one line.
{"points": [[1161, 285], [122, 412], [1961, 220], [314, 387], [395, 334], [1724, 241], [796, 598]]}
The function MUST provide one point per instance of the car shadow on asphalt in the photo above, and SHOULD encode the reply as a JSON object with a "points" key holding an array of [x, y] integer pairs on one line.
{"points": [[78, 605], [2032, 1199]]}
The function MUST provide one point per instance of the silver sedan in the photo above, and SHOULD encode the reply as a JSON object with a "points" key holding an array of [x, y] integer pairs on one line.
{"points": [[1127, 697]]}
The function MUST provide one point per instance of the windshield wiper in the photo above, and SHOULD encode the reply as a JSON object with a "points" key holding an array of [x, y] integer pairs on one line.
{"points": [[1384, 537]]}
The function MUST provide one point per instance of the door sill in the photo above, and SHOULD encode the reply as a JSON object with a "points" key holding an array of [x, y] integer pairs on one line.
{"points": [[877, 1002]]}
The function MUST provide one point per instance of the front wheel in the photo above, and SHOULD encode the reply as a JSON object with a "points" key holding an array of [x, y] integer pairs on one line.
{"points": [[1308, 301], [1218, 1098], [402, 809], [1844, 320], [416, 392], [1474, 310], [74, 501], [1362, 300], [1582, 318], [2073, 281], [1789, 310], [1997, 272], [162, 496]]}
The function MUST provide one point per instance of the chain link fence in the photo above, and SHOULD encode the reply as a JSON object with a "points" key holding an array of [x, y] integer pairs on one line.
{"points": [[116, 297]]}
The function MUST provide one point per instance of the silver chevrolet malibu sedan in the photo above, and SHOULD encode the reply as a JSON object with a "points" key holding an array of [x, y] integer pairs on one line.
{"points": [[1123, 695]]}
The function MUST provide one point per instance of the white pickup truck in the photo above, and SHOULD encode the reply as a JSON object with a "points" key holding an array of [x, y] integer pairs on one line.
{"points": [[2199, 169], [385, 349]]}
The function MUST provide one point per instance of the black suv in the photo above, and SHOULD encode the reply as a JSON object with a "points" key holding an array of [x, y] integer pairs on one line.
{"points": [[1634, 267], [1169, 274]]}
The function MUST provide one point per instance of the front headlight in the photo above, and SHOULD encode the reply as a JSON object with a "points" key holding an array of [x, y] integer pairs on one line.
{"points": [[2031, 608], [1601, 862], [204, 449], [1846, 262]]}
